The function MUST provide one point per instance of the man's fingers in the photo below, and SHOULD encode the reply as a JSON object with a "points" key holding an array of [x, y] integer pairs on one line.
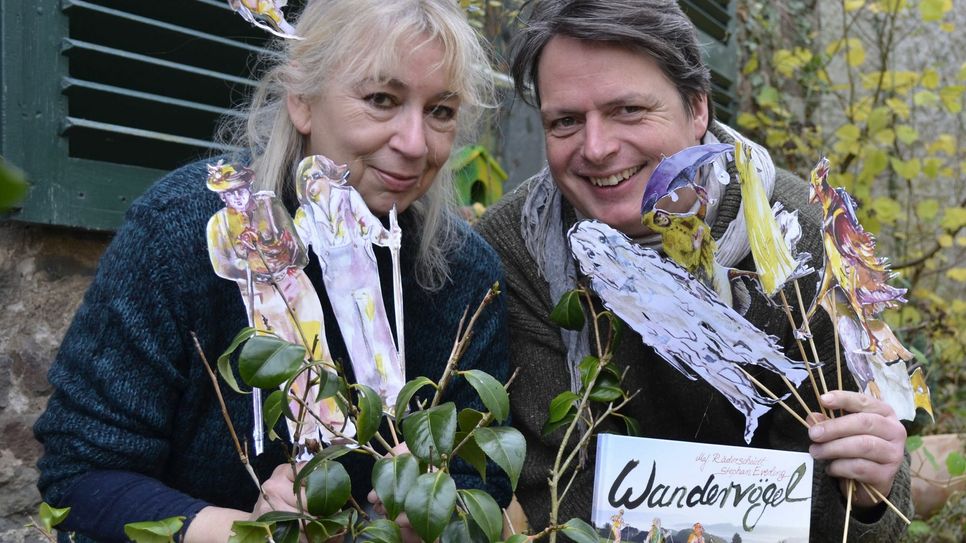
{"points": [[865, 447], [858, 424], [856, 402]]}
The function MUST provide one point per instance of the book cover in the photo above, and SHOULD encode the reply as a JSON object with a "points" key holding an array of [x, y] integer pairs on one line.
{"points": [[663, 491]]}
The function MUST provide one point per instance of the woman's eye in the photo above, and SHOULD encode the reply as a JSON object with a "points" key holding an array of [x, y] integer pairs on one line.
{"points": [[442, 113], [381, 100]]}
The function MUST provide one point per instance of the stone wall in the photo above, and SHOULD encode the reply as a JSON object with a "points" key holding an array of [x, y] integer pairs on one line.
{"points": [[44, 272]]}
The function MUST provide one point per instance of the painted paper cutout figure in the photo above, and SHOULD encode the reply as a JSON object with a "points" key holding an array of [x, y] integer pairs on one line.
{"points": [[253, 242], [617, 524], [773, 258], [656, 534], [850, 261], [265, 14], [679, 170], [335, 221], [683, 320], [697, 533], [920, 392], [686, 239]]}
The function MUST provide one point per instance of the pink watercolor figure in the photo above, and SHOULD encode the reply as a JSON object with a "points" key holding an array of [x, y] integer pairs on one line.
{"points": [[336, 222], [253, 242]]}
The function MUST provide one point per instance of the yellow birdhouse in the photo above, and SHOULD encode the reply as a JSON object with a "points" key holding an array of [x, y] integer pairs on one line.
{"points": [[478, 176]]}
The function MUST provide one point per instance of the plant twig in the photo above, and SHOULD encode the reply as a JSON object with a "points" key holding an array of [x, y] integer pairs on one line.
{"points": [[224, 413], [462, 340]]}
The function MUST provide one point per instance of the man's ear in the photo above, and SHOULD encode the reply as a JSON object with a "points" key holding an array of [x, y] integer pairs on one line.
{"points": [[300, 112], [699, 117]]}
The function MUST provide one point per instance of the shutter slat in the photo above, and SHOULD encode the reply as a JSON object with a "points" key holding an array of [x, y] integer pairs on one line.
{"points": [[71, 44], [70, 83], [68, 4], [74, 122]]}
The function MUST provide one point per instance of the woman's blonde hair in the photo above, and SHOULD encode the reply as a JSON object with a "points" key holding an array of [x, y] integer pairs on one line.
{"points": [[356, 40]]}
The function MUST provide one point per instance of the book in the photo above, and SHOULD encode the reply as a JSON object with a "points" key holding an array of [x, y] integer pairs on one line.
{"points": [[687, 491]]}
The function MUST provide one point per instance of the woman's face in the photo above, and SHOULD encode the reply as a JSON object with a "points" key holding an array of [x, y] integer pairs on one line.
{"points": [[394, 133]]}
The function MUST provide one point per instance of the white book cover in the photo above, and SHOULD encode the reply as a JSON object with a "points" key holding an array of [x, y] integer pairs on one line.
{"points": [[663, 491]]}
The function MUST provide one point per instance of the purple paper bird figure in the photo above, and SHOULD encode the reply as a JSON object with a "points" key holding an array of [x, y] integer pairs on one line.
{"points": [[679, 170]]}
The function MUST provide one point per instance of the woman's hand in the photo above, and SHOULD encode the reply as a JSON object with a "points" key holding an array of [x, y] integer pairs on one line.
{"points": [[277, 492], [866, 445]]}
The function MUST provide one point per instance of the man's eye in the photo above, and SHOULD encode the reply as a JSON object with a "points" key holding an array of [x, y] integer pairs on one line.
{"points": [[563, 126], [381, 100]]}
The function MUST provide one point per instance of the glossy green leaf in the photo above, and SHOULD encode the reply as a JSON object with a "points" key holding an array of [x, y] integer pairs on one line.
{"points": [[505, 446], [633, 427], [322, 530], [156, 531], [287, 531], [517, 538], [392, 478], [272, 409], [562, 405], [328, 382], [589, 367], [913, 443], [326, 454], [430, 504], [224, 361], [267, 361], [569, 313], [327, 489], [580, 531], [250, 531], [431, 432], [50, 517], [491, 392], [381, 531], [551, 427], [370, 413], [463, 530], [468, 419], [484, 511], [607, 389], [955, 464], [407, 392], [472, 453], [616, 328]]}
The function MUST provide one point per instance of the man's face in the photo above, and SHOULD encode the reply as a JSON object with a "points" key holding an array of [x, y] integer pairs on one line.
{"points": [[610, 115]]}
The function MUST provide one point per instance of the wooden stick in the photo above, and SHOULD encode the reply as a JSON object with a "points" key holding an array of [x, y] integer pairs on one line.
{"points": [[875, 493], [848, 510], [772, 395], [808, 330], [801, 348]]}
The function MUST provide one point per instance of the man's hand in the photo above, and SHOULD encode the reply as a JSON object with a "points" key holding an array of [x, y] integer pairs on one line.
{"points": [[865, 445]]}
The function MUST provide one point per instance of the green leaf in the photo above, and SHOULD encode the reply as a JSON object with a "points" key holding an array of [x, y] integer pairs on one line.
{"points": [[468, 419], [569, 313], [919, 528], [392, 478], [407, 392], [267, 361], [580, 531], [322, 530], [589, 368], [328, 382], [462, 530], [272, 409], [955, 464], [287, 531], [13, 187], [933, 10], [517, 538], [913, 443], [430, 504], [327, 489], [472, 453], [381, 531], [224, 361], [156, 531], [505, 446], [431, 433], [633, 427], [273, 517], [491, 392], [607, 388], [50, 517], [562, 405], [326, 454], [370, 413], [250, 531], [484, 511], [551, 427]]}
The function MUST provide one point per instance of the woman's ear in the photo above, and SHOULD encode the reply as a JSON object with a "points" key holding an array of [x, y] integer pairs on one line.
{"points": [[300, 112]]}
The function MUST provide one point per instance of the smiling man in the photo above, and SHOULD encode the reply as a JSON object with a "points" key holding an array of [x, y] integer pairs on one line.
{"points": [[619, 85]]}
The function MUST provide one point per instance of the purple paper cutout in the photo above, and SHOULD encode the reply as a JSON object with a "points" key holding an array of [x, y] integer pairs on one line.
{"points": [[679, 170]]}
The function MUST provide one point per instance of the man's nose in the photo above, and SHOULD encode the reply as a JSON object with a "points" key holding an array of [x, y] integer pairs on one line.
{"points": [[599, 144]]}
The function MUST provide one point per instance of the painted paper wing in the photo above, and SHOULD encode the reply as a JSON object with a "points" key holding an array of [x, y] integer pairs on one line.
{"points": [[678, 170], [682, 319], [265, 14]]}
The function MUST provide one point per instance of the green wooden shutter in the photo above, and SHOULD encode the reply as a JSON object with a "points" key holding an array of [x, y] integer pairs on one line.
{"points": [[715, 22], [101, 97]]}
